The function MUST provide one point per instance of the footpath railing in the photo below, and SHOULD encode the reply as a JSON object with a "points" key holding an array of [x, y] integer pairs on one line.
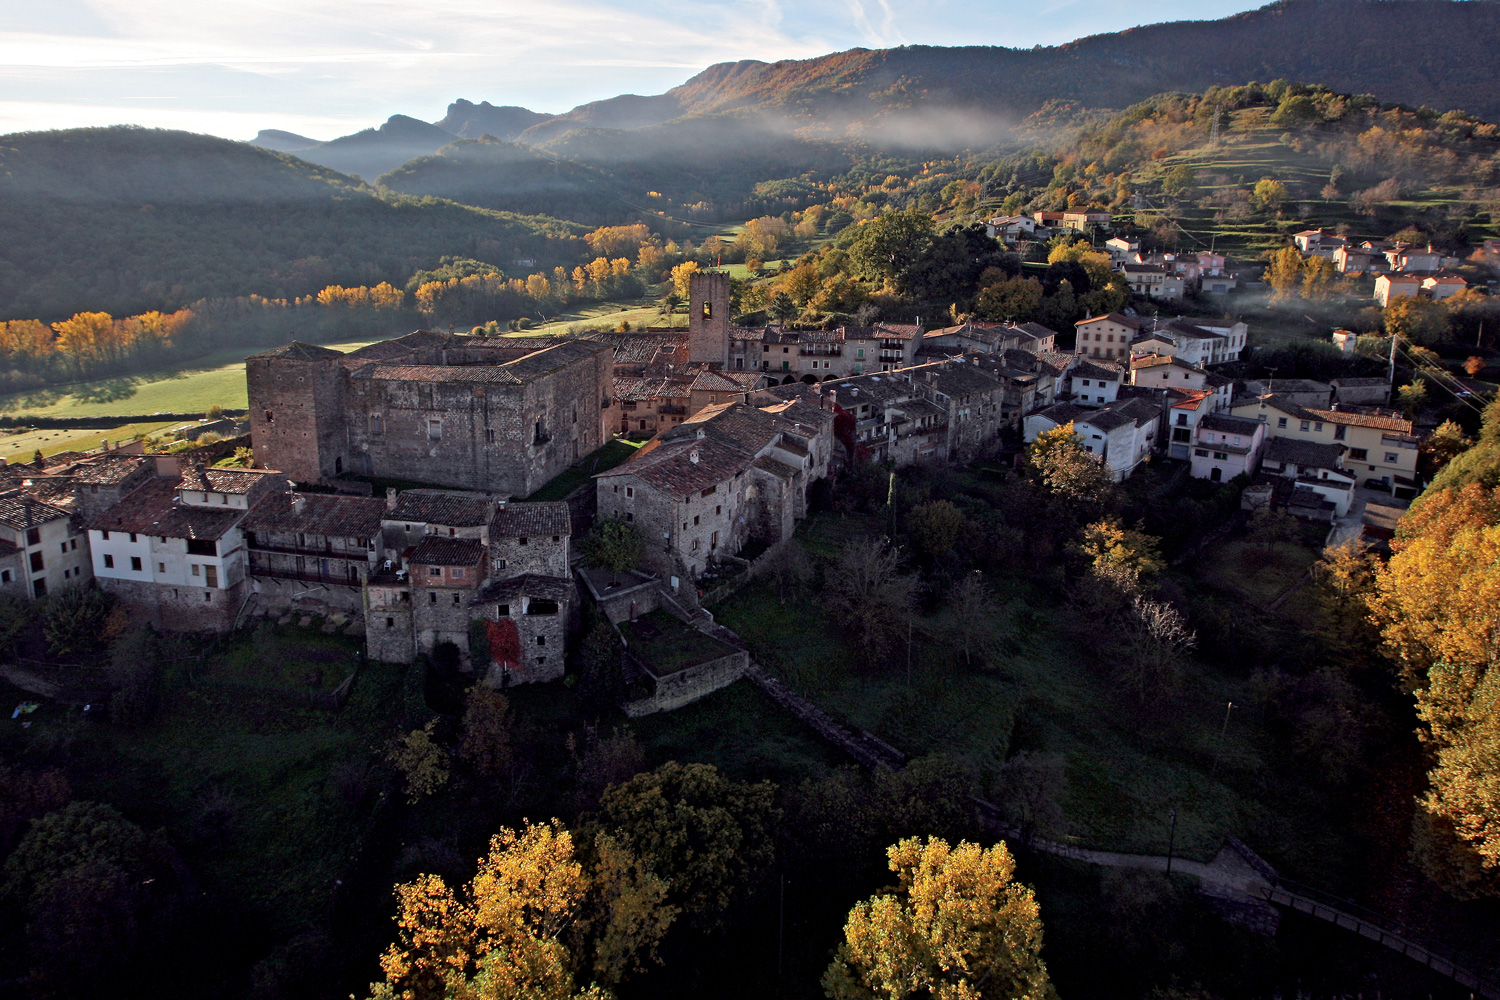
{"points": [[1463, 969]]}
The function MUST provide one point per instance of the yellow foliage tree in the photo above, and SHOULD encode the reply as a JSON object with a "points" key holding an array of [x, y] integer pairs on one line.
{"points": [[957, 928], [535, 923], [681, 275]]}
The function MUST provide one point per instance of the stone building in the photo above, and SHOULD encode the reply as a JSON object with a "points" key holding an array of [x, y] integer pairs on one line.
{"points": [[412, 515], [446, 574], [729, 475], [530, 538], [50, 552], [495, 414], [542, 609], [313, 545], [173, 552]]}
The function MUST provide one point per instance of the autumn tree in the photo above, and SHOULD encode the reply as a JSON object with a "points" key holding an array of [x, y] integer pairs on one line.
{"points": [[1112, 548], [1154, 646], [957, 927], [1416, 320], [1285, 273], [423, 764], [869, 596], [708, 836], [484, 741], [888, 248], [1444, 444], [537, 922], [1268, 195], [1066, 469]]}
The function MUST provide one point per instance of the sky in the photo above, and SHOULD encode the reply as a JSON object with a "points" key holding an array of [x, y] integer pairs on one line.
{"points": [[324, 68]]}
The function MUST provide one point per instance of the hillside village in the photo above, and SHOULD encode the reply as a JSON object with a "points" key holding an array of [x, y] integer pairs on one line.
{"points": [[744, 426]]}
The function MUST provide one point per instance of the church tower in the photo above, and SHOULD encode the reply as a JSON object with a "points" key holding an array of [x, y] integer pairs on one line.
{"points": [[708, 318]]}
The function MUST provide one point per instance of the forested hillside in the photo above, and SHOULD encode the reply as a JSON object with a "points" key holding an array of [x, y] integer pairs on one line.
{"points": [[129, 219]]}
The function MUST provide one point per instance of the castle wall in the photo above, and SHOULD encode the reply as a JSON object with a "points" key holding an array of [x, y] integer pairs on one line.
{"points": [[178, 609], [297, 416], [708, 318]]}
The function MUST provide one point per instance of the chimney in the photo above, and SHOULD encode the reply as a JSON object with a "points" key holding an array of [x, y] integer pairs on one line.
{"points": [[390, 498], [693, 456], [299, 503]]}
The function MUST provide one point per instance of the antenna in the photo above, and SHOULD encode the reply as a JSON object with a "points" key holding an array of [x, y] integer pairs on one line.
{"points": [[1213, 134]]}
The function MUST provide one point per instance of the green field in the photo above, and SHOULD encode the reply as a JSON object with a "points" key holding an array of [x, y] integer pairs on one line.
{"points": [[189, 387], [20, 444]]}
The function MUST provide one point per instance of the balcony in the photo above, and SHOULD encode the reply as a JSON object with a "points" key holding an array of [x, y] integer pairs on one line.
{"points": [[327, 579]]}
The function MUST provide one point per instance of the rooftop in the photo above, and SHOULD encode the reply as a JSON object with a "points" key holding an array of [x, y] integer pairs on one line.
{"points": [[211, 480], [327, 514], [154, 509], [450, 508], [20, 511], [434, 550], [523, 520]]}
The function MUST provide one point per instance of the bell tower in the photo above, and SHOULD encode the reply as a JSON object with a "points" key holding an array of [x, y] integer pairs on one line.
{"points": [[708, 318]]}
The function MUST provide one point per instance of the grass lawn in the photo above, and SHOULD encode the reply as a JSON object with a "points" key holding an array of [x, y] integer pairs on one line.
{"points": [[607, 457], [1247, 568], [17, 444], [668, 646], [260, 757], [186, 387], [1127, 763]]}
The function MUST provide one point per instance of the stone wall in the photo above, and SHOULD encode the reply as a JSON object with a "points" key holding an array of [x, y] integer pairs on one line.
{"points": [[687, 686], [540, 555], [273, 592], [441, 614], [297, 415], [178, 609]]}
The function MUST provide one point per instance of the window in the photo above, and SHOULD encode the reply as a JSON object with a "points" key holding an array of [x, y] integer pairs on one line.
{"points": [[208, 597], [434, 571], [195, 569], [541, 640], [377, 424], [211, 575], [521, 540], [500, 564], [629, 517], [1318, 426], [201, 547], [1201, 452], [458, 572], [109, 561], [161, 567], [34, 536], [270, 417], [434, 428], [4, 576], [1182, 420], [711, 490], [542, 608], [630, 491], [455, 598], [1391, 458], [431, 597], [557, 538], [695, 520], [132, 536], [390, 623], [135, 564], [1338, 432], [489, 435], [718, 510], [104, 535], [1281, 421], [1359, 454], [708, 309], [63, 546], [1306, 424], [73, 545]]}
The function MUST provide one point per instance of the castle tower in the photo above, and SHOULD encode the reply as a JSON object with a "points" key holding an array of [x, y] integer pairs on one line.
{"points": [[297, 411], [708, 318]]}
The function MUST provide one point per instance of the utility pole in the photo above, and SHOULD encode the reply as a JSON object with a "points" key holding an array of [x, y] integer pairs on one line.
{"points": [[1219, 750], [1392, 376]]}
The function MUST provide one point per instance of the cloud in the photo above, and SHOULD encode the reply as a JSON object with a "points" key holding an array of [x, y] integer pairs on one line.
{"points": [[359, 61]]}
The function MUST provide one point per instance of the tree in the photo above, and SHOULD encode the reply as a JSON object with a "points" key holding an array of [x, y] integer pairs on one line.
{"points": [[74, 620], [601, 676], [790, 568], [1285, 273], [1032, 786], [889, 247], [1412, 395], [1111, 547], [1179, 183], [936, 527], [422, 763], [682, 276], [1015, 299], [613, 545], [484, 735], [1269, 194], [1443, 445], [1066, 469], [783, 309], [134, 671], [956, 928], [709, 837], [1156, 642], [871, 598], [603, 762], [1270, 528], [537, 922], [972, 608], [1416, 320], [26, 795]]}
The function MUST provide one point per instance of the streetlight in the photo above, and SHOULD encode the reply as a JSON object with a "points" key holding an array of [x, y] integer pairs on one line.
{"points": [[1220, 748], [1172, 840]]}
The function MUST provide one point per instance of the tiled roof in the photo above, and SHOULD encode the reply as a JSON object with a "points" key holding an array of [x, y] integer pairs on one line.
{"points": [[1309, 453], [959, 379], [109, 470], [669, 466], [154, 509], [435, 550], [317, 514], [521, 520], [1355, 418], [450, 508], [1351, 383], [636, 388], [1115, 318], [1087, 369], [1063, 413], [532, 585], [20, 511], [298, 351], [197, 477], [778, 469], [1229, 425]]}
